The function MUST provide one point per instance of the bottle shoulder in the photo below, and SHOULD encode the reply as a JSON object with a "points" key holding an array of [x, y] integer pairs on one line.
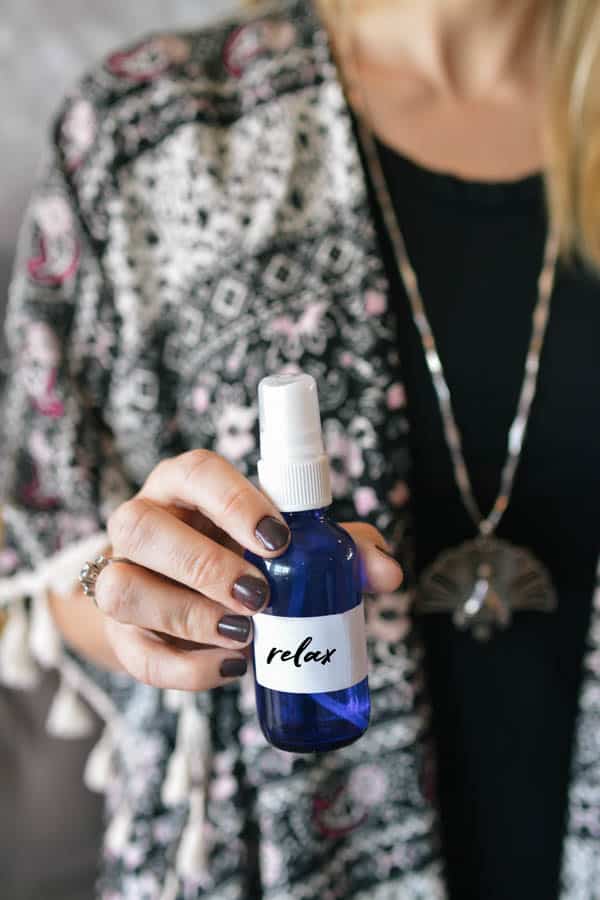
{"points": [[314, 544], [319, 574], [321, 535]]}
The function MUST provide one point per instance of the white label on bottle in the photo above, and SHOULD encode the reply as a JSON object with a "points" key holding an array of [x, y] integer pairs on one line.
{"points": [[312, 654]]}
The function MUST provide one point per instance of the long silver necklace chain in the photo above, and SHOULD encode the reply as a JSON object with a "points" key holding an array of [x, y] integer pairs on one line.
{"points": [[484, 580], [485, 524]]}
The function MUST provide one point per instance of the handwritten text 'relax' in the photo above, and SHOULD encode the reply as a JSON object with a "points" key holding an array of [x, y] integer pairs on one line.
{"points": [[302, 654]]}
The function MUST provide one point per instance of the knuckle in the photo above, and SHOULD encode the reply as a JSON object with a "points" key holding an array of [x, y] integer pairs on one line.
{"points": [[206, 569], [129, 526], [160, 469], [170, 671], [113, 592], [184, 466], [150, 669], [192, 462], [236, 499], [190, 619]]}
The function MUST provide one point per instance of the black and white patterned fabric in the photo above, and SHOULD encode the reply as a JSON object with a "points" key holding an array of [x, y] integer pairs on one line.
{"points": [[205, 222]]}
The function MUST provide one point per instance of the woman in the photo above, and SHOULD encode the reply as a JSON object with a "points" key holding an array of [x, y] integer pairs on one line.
{"points": [[300, 190]]}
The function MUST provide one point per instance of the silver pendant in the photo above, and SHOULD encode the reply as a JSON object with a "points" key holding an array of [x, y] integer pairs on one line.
{"points": [[482, 582]]}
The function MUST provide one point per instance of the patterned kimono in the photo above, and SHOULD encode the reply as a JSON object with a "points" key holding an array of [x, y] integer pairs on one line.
{"points": [[204, 221]]}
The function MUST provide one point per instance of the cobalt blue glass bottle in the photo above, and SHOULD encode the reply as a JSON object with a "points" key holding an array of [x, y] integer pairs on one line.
{"points": [[310, 657]]}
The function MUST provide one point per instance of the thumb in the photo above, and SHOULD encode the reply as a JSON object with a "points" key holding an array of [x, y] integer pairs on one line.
{"points": [[382, 573]]}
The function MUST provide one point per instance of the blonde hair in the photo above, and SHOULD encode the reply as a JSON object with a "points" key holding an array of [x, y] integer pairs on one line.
{"points": [[572, 119]]}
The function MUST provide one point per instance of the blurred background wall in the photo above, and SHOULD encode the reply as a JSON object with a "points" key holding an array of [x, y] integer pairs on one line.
{"points": [[44, 46], [50, 825]]}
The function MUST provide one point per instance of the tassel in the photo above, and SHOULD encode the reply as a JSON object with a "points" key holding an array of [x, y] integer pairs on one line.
{"points": [[192, 855], [173, 699], [247, 698], [193, 735], [188, 759], [17, 666], [44, 639], [99, 766], [192, 732], [171, 886], [118, 832], [176, 786], [69, 717]]}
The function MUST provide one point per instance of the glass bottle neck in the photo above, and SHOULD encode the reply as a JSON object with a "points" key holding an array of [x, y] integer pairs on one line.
{"points": [[307, 515]]}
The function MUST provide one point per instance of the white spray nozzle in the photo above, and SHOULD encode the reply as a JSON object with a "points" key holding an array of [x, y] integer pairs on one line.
{"points": [[290, 421], [293, 469]]}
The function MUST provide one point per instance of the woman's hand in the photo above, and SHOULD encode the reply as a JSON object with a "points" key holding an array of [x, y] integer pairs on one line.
{"points": [[178, 613]]}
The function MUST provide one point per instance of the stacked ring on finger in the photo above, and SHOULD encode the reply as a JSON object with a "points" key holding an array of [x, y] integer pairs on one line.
{"points": [[91, 570]]}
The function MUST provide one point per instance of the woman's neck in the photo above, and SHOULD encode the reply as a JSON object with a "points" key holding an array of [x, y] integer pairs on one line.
{"points": [[466, 49], [456, 84]]}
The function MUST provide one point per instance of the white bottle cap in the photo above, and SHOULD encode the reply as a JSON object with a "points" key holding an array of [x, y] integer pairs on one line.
{"points": [[293, 469]]}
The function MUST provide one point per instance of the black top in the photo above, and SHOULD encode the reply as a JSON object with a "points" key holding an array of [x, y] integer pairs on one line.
{"points": [[504, 712]]}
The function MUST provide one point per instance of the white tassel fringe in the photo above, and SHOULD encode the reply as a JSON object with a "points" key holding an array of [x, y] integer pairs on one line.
{"points": [[69, 717], [188, 761], [99, 766], [17, 666], [174, 700], [170, 887], [247, 693], [119, 830], [192, 855], [186, 778], [193, 736], [44, 638], [176, 786]]}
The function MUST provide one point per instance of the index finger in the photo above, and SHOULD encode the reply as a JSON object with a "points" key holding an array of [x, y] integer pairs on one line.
{"points": [[204, 481]]}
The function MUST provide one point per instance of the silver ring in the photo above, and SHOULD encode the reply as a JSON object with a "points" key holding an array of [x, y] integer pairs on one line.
{"points": [[91, 571]]}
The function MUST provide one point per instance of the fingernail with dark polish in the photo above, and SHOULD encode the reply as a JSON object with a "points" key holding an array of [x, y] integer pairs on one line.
{"points": [[235, 627], [252, 592], [233, 668], [272, 533]]}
